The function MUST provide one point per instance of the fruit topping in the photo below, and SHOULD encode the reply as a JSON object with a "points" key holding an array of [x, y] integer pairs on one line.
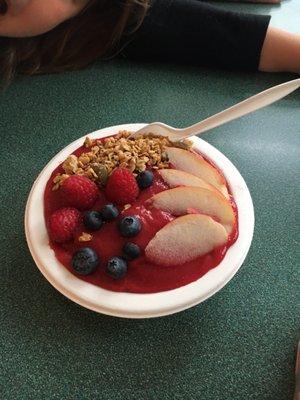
{"points": [[116, 267], [109, 212], [93, 220], [130, 226], [85, 261], [145, 179], [175, 178], [79, 191], [185, 239], [63, 224], [122, 187], [196, 165], [180, 200], [131, 251]]}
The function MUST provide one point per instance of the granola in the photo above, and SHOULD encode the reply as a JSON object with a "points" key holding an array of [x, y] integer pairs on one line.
{"points": [[85, 237], [103, 156]]}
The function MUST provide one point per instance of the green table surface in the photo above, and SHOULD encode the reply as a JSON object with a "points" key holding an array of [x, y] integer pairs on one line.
{"points": [[239, 344]]}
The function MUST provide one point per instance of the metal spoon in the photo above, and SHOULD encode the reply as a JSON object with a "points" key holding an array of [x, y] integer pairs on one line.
{"points": [[247, 106]]}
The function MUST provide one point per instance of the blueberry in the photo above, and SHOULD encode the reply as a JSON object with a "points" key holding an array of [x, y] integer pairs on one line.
{"points": [[116, 267], [109, 212], [92, 220], [85, 261], [131, 250], [144, 179], [130, 226]]}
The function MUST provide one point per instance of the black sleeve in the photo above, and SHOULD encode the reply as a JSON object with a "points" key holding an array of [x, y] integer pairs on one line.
{"points": [[192, 31]]}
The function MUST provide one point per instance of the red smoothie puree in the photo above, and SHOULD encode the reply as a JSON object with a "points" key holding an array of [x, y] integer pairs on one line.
{"points": [[143, 276]]}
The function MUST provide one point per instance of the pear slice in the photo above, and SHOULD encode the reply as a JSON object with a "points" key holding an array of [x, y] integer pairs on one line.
{"points": [[185, 239], [180, 200], [175, 178], [194, 164]]}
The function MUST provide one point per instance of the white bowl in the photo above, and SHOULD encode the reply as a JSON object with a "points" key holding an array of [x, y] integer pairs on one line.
{"points": [[131, 305]]}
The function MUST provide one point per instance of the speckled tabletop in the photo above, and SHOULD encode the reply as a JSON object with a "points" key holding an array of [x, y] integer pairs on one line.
{"points": [[240, 344]]}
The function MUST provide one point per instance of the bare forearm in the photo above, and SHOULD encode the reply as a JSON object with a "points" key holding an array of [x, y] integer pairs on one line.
{"points": [[280, 52]]}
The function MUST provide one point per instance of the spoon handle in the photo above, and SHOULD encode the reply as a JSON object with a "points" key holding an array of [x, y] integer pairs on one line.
{"points": [[247, 106]]}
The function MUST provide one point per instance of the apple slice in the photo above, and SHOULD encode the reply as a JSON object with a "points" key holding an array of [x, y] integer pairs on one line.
{"points": [[185, 239], [175, 178], [196, 165], [179, 200]]}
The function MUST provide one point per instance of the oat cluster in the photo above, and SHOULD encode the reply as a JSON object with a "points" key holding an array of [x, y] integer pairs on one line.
{"points": [[85, 237], [103, 156]]}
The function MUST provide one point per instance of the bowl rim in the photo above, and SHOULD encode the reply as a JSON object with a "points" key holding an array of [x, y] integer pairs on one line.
{"points": [[136, 305]]}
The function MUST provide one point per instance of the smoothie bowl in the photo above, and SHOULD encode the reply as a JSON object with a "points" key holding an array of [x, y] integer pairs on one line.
{"points": [[138, 227]]}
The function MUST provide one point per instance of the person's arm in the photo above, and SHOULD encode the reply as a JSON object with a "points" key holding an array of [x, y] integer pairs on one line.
{"points": [[280, 51], [192, 31]]}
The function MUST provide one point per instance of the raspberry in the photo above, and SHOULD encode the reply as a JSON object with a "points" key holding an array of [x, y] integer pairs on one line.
{"points": [[121, 187], [63, 224], [79, 192]]}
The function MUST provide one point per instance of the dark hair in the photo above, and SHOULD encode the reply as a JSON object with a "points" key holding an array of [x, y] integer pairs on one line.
{"points": [[93, 34]]}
